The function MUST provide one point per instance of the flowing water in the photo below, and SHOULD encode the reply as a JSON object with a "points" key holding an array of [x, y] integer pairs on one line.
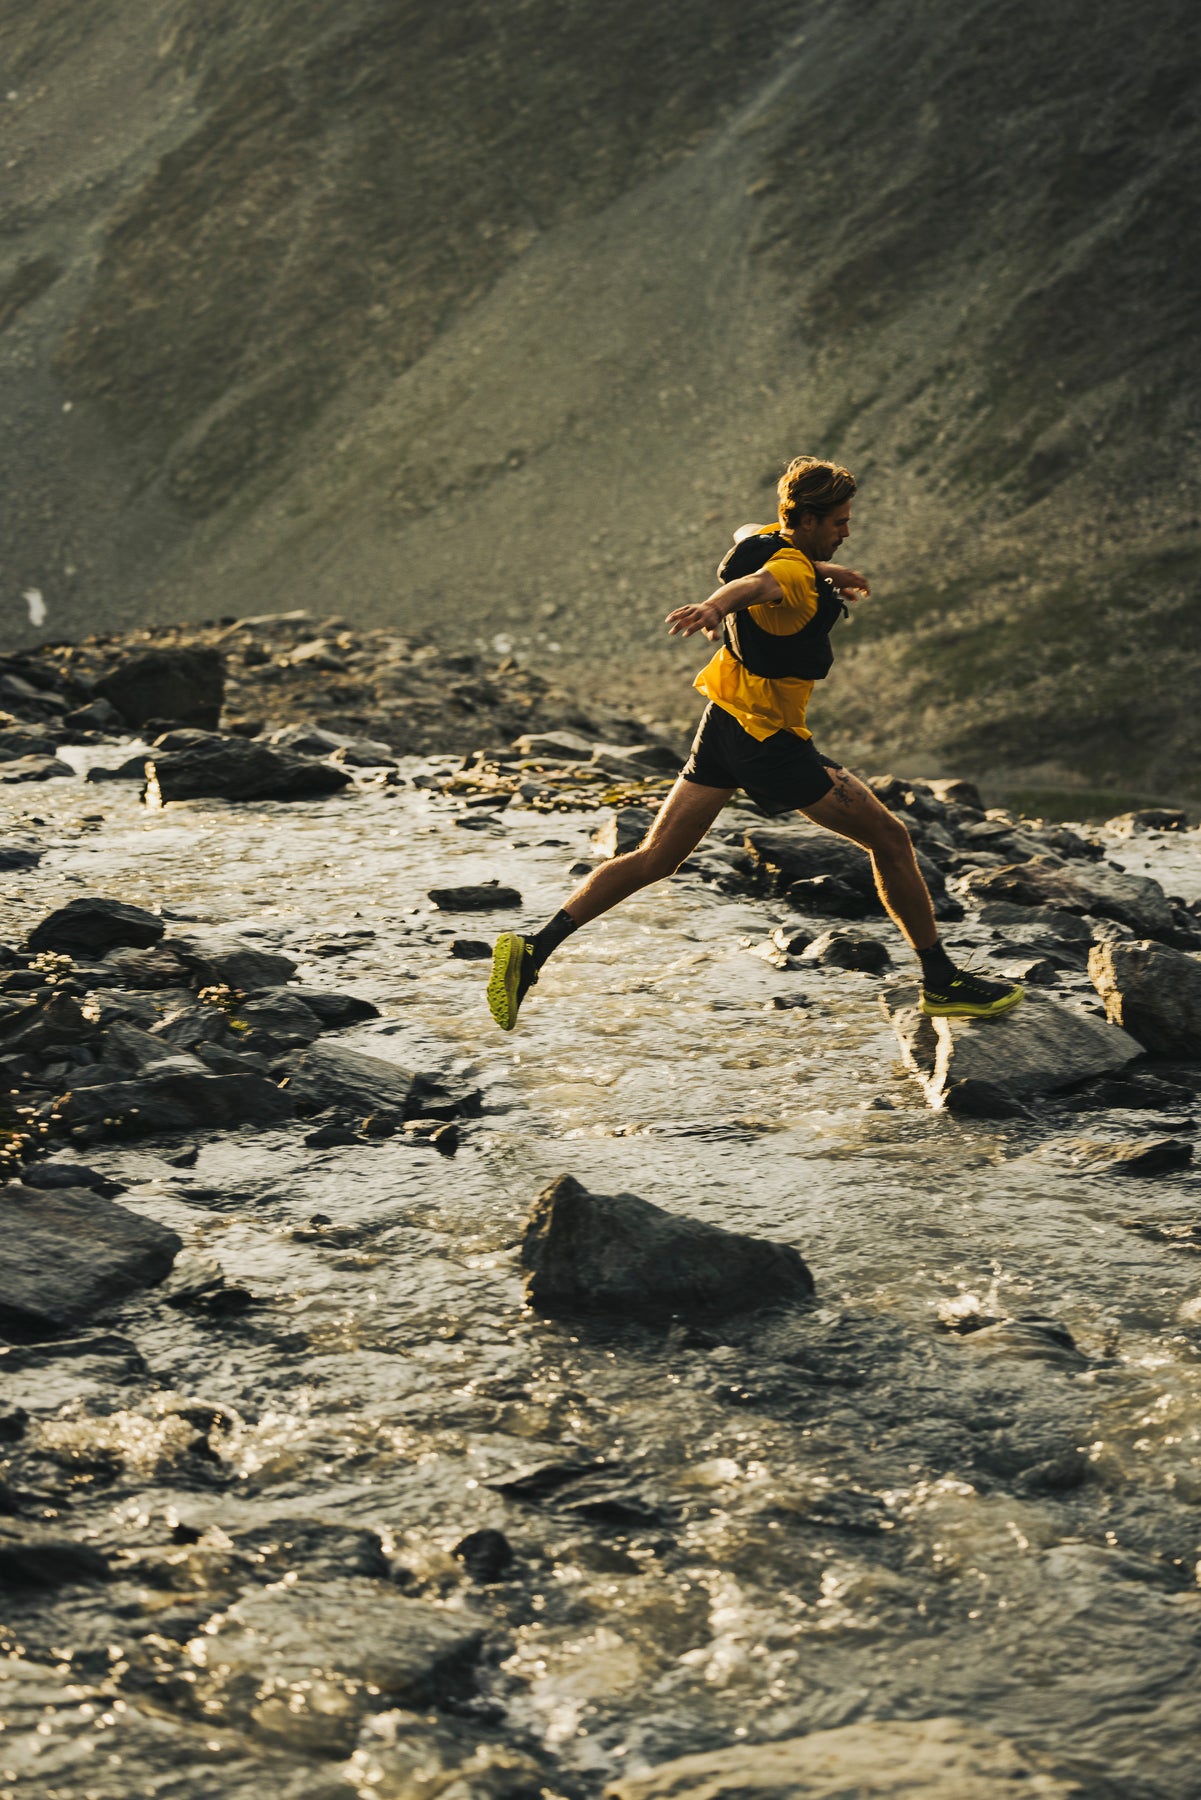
{"points": [[835, 1513]]}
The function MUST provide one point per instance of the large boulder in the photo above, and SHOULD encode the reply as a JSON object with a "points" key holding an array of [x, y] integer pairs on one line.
{"points": [[802, 853], [183, 685], [69, 1254], [879, 1759], [178, 1102], [1103, 891], [331, 1074], [216, 958], [618, 1254], [1038, 1047], [1153, 992], [235, 768], [94, 925], [34, 768]]}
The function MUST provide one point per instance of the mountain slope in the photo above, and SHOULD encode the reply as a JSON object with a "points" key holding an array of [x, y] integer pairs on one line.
{"points": [[497, 322]]}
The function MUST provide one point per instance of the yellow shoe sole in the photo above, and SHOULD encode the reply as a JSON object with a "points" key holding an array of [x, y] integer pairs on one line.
{"points": [[505, 980], [935, 1009]]}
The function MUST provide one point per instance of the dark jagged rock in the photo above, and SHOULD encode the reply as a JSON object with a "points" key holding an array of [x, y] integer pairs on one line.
{"points": [[619, 1254], [49, 1562], [483, 896], [69, 1254], [1150, 1156], [236, 768], [329, 1074], [486, 1555], [35, 768], [1107, 893], [132, 769], [73, 1175], [442, 1134], [847, 950], [217, 959], [1038, 1047], [98, 715], [976, 1099], [185, 685], [278, 1020], [787, 854], [94, 925], [44, 1023], [335, 1010], [16, 744], [152, 968], [623, 830], [16, 858], [178, 1102], [1153, 992]]}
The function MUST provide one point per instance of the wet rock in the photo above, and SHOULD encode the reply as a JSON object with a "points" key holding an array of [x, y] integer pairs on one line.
{"points": [[314, 1547], [442, 1134], [184, 685], [217, 959], [308, 740], [1047, 921], [847, 950], [331, 1074], [178, 1102], [94, 925], [470, 949], [334, 1011], [486, 1555], [617, 1253], [1130, 1093], [1108, 893], [333, 1648], [235, 768], [558, 746], [278, 1020], [35, 768], [1148, 818], [69, 1254], [41, 1025], [39, 1562], [13, 1421], [1153, 992], [975, 1099], [623, 830], [49, 1175], [1029, 1340], [331, 1137], [1147, 1156], [16, 858], [1037, 1048], [132, 769], [482, 896], [153, 968], [98, 715], [895, 1759], [17, 744], [793, 856]]}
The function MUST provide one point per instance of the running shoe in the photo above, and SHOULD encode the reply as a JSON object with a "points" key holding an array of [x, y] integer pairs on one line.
{"points": [[969, 997], [513, 975]]}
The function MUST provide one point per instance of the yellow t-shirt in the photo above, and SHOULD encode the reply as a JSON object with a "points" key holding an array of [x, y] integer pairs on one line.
{"points": [[762, 706]]}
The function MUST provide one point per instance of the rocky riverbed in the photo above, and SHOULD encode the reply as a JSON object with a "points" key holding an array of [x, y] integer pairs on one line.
{"points": [[349, 1449]]}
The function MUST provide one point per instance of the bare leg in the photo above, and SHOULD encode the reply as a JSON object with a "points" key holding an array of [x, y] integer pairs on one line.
{"points": [[680, 824], [853, 811]]}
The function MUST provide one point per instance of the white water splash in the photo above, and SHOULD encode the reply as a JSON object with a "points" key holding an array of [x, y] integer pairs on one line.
{"points": [[34, 600]]}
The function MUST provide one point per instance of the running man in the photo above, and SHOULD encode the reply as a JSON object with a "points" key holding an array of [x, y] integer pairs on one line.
{"points": [[778, 600]]}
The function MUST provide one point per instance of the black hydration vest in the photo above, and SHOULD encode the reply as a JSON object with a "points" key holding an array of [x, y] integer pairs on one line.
{"points": [[804, 655]]}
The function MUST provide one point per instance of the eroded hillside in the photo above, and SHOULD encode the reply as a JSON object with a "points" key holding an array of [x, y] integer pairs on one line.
{"points": [[493, 322]]}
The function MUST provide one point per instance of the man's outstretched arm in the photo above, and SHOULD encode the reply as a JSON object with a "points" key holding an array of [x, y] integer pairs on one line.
{"points": [[759, 589]]}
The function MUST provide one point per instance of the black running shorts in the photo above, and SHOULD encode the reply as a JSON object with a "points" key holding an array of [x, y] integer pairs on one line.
{"points": [[779, 774]]}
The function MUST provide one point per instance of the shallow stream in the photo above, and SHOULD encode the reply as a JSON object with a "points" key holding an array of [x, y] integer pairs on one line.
{"points": [[831, 1514]]}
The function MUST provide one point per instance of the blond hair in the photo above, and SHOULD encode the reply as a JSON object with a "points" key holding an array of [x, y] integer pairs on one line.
{"points": [[809, 485]]}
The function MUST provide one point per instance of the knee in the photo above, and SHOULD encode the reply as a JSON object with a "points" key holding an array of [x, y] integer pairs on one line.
{"points": [[891, 843]]}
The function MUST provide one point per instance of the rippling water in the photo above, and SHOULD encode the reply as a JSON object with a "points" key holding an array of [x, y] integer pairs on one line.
{"points": [[829, 1515]]}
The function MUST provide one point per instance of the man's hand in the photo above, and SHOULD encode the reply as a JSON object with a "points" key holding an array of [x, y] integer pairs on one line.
{"points": [[850, 584], [687, 620]]}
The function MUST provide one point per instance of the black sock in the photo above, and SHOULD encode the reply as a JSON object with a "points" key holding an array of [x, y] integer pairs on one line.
{"points": [[546, 941], [937, 968]]}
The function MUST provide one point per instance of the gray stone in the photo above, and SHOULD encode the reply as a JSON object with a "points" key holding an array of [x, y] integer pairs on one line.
{"points": [[178, 1102], [17, 858], [561, 746], [154, 967], [1108, 893], [335, 1649], [483, 896], [799, 853], [14, 744], [217, 958], [1039, 1047], [184, 685], [619, 1254], [1153, 992], [623, 830], [35, 768], [1046, 920], [235, 768], [332, 1074], [847, 950], [893, 1759], [69, 1253], [132, 769], [1146, 1156], [95, 925]]}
